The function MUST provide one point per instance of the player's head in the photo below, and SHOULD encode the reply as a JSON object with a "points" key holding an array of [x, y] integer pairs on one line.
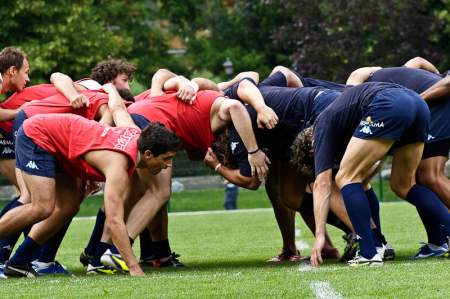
{"points": [[116, 71], [302, 156], [222, 150], [14, 69], [157, 147]]}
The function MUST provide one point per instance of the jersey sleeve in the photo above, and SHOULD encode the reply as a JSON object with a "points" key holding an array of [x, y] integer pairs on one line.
{"points": [[232, 91], [276, 79]]}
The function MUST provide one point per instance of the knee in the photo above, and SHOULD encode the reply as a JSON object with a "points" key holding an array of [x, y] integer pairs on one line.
{"points": [[342, 179], [428, 179], [401, 187], [41, 212], [69, 212]]}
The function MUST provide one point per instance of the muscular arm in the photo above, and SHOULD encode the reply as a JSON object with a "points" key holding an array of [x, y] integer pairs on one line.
{"points": [[251, 95], [206, 84], [292, 80], [253, 75], [8, 114], [158, 80], [421, 63], [69, 89], [322, 194], [117, 108], [438, 91], [361, 75]]}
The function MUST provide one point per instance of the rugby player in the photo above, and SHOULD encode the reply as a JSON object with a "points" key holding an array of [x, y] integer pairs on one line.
{"points": [[97, 153], [196, 125], [358, 130], [436, 91]]}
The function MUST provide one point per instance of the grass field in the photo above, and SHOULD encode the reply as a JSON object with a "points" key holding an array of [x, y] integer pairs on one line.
{"points": [[226, 254]]}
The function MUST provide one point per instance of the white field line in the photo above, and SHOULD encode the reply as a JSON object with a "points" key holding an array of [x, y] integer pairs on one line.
{"points": [[324, 290], [195, 213]]}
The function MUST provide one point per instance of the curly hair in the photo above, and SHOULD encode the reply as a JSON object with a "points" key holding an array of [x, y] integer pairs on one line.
{"points": [[106, 71], [222, 150], [302, 156], [9, 57]]}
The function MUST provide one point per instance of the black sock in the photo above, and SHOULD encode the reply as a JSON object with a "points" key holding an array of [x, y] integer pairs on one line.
{"points": [[162, 248], [50, 248], [96, 233], [146, 243]]}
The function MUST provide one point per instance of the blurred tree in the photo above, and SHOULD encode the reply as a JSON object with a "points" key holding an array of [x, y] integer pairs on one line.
{"points": [[331, 38]]}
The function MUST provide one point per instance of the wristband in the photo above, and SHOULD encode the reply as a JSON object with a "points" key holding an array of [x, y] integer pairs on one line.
{"points": [[254, 152], [217, 167]]}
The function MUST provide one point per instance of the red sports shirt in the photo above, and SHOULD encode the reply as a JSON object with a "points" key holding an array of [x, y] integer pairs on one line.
{"points": [[191, 123], [69, 137], [32, 93], [59, 104]]}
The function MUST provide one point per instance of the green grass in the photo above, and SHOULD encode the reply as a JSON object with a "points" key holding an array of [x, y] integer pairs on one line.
{"points": [[226, 255]]}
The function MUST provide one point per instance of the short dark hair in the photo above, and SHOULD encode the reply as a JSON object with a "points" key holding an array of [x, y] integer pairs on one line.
{"points": [[158, 139], [9, 57], [302, 155], [106, 71]]}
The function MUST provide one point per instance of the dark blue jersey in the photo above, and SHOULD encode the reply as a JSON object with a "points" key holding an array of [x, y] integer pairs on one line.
{"points": [[295, 107], [312, 82], [416, 79], [335, 126]]}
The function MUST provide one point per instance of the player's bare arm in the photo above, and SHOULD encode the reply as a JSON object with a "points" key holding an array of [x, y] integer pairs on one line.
{"points": [[361, 75], [65, 85], [322, 194], [232, 175], [251, 95], [422, 63], [117, 108], [234, 111]]}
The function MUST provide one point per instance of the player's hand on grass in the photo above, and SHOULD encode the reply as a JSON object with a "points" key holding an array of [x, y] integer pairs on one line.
{"points": [[211, 159], [136, 271], [267, 118], [79, 101], [259, 164], [316, 254]]}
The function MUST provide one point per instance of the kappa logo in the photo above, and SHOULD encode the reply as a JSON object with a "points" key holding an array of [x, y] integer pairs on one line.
{"points": [[367, 124], [358, 237], [430, 137], [233, 146], [7, 150], [32, 165]]}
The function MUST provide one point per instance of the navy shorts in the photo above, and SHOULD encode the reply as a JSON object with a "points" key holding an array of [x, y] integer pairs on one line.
{"points": [[18, 121], [33, 159], [7, 145], [140, 121], [395, 114], [436, 149]]}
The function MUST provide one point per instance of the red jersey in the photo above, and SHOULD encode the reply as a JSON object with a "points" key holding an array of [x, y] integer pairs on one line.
{"points": [[69, 137], [60, 104], [191, 123], [32, 93]]}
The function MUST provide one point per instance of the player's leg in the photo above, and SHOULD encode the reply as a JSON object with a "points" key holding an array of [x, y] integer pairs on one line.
{"points": [[432, 211], [68, 199], [431, 174], [359, 158], [284, 215], [41, 206]]}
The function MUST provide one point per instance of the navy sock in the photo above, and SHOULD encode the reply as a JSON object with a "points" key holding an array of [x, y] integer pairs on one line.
{"points": [[114, 249], [11, 205], [50, 248], [432, 211], [145, 240], [162, 248], [358, 210], [96, 233], [7, 244], [24, 254], [99, 250], [375, 213]]}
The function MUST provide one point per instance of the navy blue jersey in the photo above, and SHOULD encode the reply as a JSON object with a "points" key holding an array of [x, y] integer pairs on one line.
{"points": [[312, 82], [420, 80], [416, 79], [335, 126], [294, 107]]}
